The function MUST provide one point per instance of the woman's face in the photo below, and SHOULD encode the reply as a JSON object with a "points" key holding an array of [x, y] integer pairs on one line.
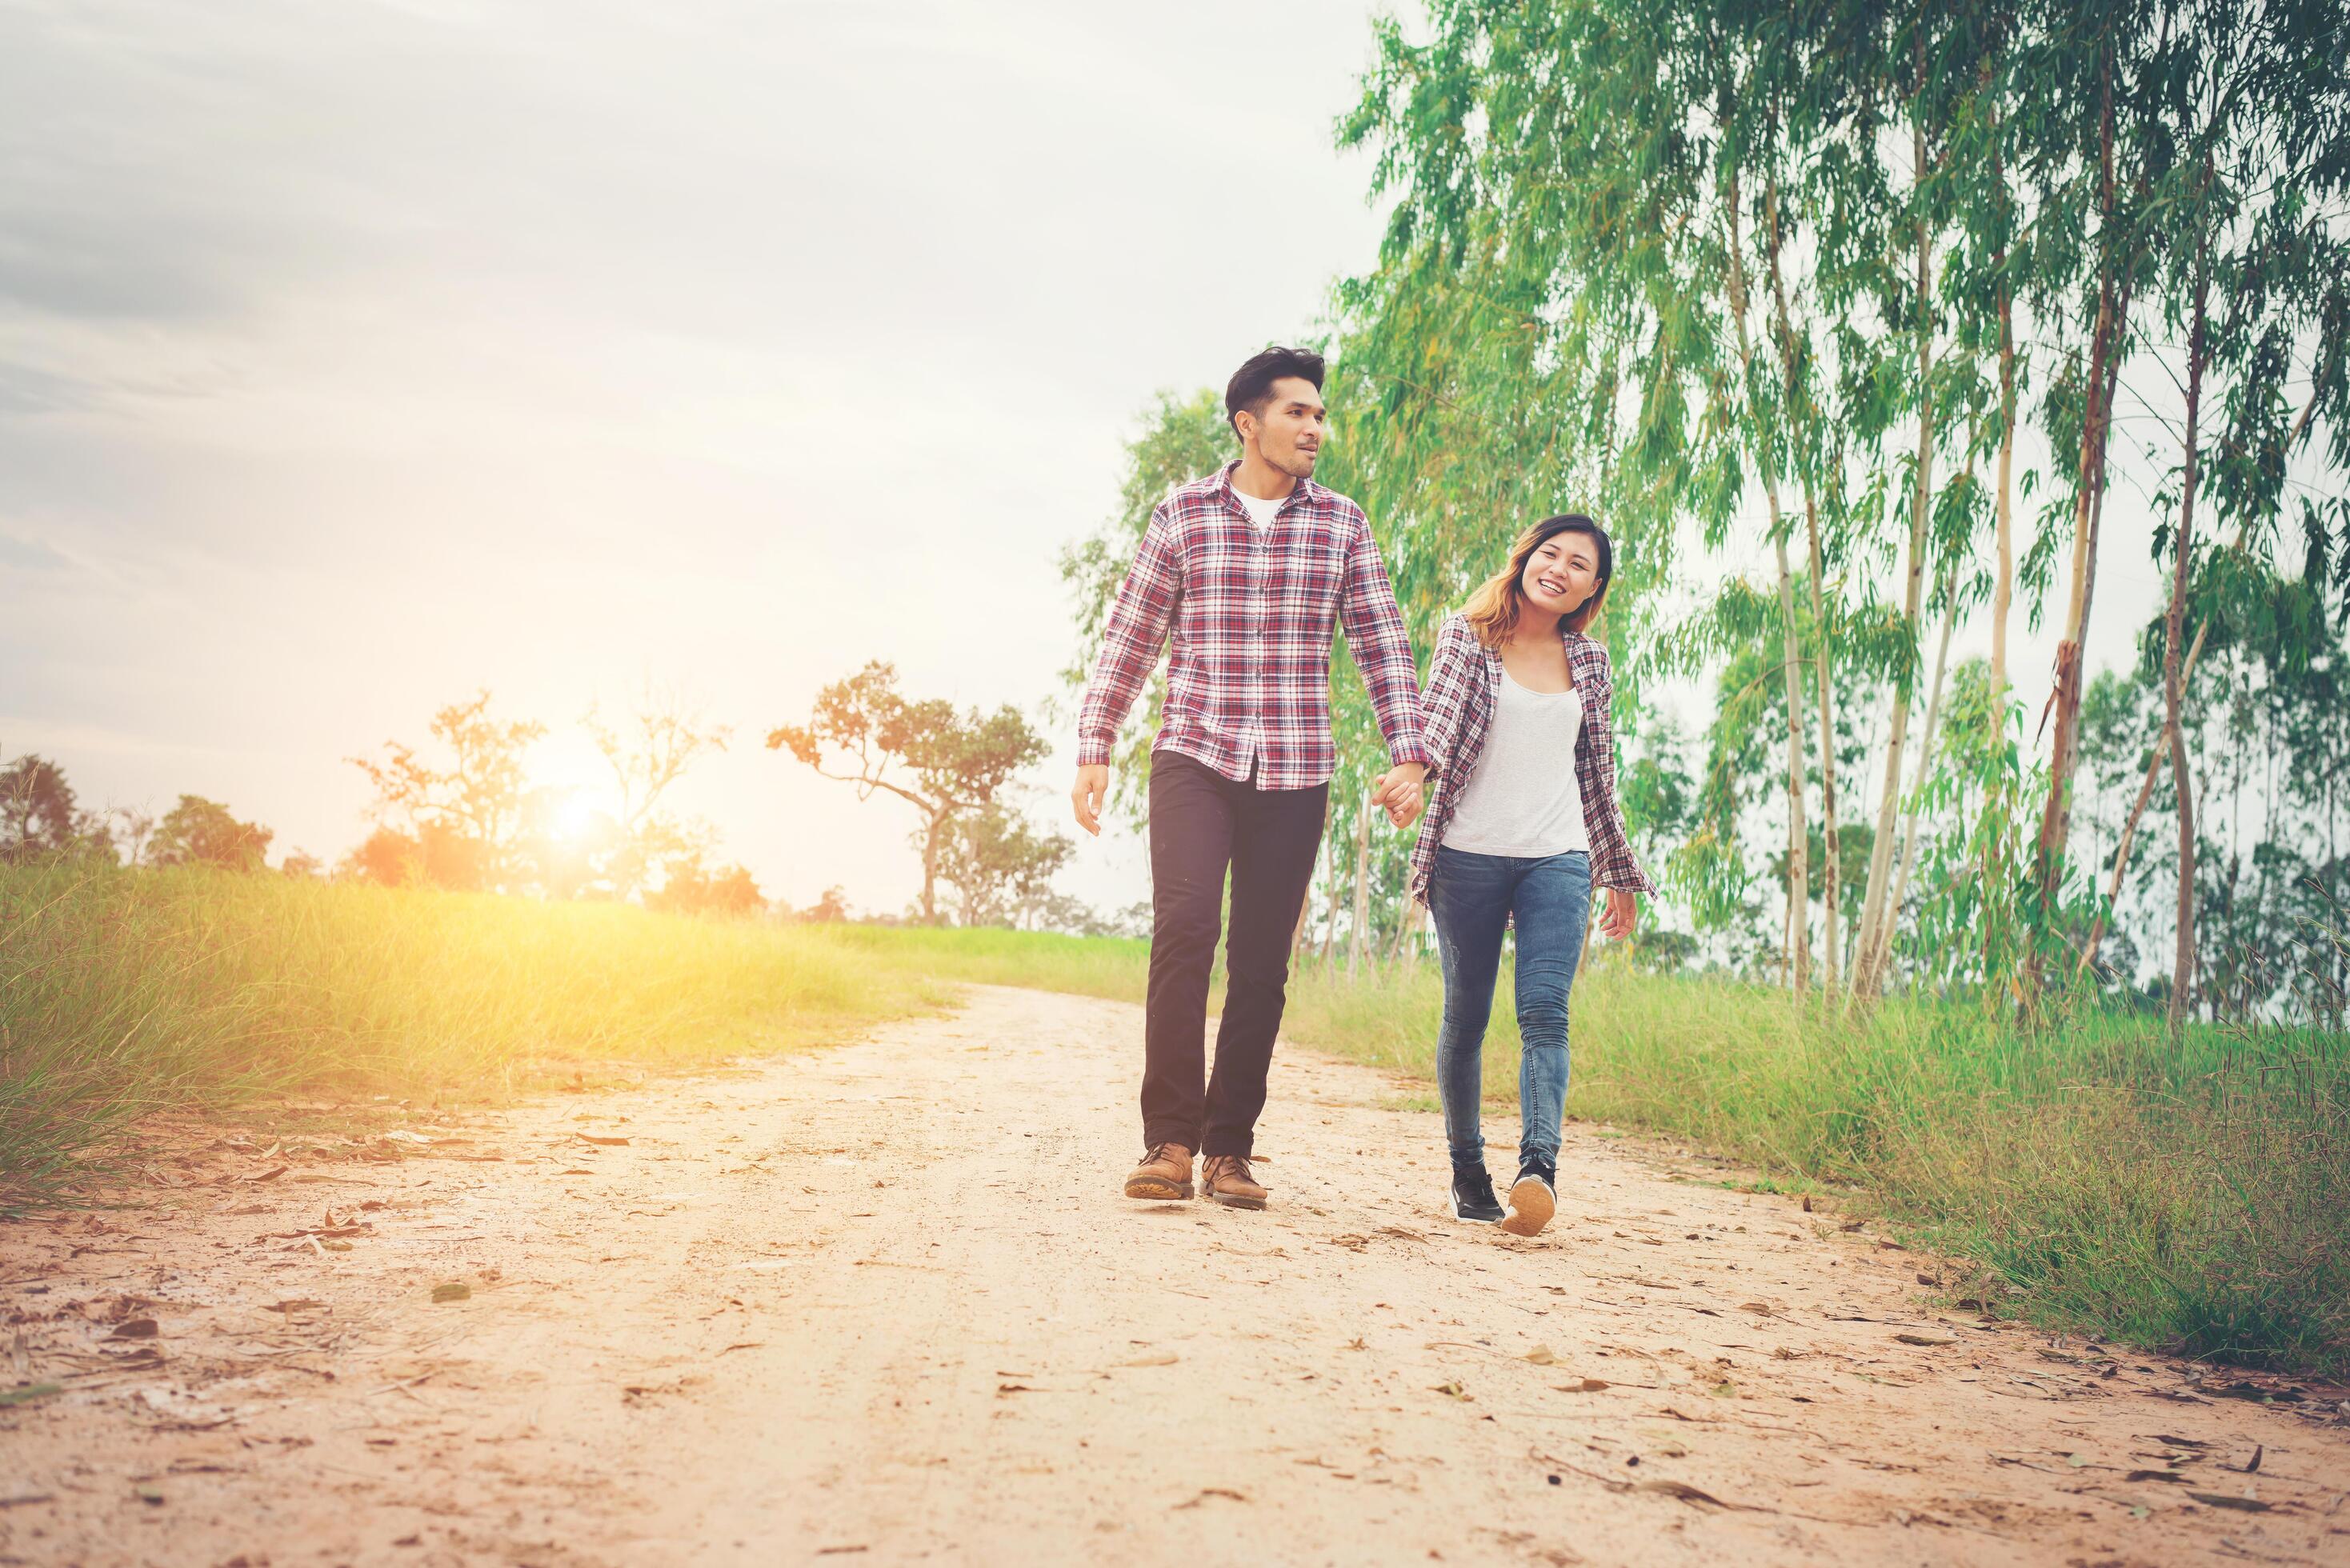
{"points": [[1562, 573]]}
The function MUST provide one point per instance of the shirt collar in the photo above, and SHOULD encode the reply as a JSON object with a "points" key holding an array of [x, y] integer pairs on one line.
{"points": [[1306, 490]]}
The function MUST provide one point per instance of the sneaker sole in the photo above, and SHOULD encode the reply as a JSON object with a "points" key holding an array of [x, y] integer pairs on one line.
{"points": [[1231, 1201], [1530, 1205], [1155, 1190]]}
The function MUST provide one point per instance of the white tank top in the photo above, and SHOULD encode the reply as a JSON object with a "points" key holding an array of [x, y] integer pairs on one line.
{"points": [[1523, 799]]}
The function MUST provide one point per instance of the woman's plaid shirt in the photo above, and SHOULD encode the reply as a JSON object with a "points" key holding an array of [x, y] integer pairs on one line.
{"points": [[1248, 682], [1457, 710]]}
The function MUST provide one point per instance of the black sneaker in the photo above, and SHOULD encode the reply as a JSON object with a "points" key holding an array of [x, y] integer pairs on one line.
{"points": [[1473, 1196], [1533, 1199]]}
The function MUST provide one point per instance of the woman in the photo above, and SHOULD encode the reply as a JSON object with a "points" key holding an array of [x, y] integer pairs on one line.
{"points": [[1522, 823]]}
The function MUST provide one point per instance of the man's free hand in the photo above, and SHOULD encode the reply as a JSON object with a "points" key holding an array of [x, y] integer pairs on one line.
{"points": [[1092, 788], [1623, 914]]}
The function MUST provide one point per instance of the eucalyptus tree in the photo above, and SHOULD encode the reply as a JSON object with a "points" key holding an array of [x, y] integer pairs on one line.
{"points": [[1536, 338], [2087, 60], [2244, 125]]}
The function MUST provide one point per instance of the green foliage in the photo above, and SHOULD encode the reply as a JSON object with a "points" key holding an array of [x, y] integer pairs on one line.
{"points": [[2187, 1196], [37, 809], [1181, 439], [200, 832], [124, 992]]}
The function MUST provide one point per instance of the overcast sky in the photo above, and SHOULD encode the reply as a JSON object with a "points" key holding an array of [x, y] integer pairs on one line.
{"points": [[354, 356]]}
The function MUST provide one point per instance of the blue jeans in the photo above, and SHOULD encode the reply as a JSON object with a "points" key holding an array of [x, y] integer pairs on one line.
{"points": [[1472, 899]]}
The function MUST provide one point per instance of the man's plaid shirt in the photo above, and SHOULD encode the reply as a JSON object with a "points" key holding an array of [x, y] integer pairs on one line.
{"points": [[1251, 616], [1457, 709]]}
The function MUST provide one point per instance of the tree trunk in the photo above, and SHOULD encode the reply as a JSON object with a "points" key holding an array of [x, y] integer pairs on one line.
{"points": [[930, 867], [1362, 888], [1876, 920], [1305, 903], [2056, 816], [1831, 871], [2182, 980], [2157, 756], [1330, 914], [1407, 949], [2002, 592], [1799, 838], [1924, 760]]}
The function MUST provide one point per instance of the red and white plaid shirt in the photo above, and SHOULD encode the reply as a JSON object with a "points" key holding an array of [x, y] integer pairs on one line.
{"points": [[1458, 709], [1251, 615]]}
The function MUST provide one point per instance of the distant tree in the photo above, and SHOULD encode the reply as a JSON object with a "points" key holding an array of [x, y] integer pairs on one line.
{"points": [[133, 830], [831, 908], [649, 749], [863, 731], [302, 863], [200, 832], [479, 797], [36, 808], [1000, 869], [689, 888], [436, 855]]}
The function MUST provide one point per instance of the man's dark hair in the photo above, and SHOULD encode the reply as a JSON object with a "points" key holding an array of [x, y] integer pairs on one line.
{"points": [[1251, 387]]}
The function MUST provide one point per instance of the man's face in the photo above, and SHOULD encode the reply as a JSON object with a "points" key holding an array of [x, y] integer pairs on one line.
{"points": [[1290, 430]]}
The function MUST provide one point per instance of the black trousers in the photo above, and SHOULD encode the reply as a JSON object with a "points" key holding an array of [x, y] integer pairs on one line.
{"points": [[1200, 825]]}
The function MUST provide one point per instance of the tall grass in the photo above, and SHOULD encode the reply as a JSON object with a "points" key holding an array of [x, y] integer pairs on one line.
{"points": [[2189, 1193], [123, 993]]}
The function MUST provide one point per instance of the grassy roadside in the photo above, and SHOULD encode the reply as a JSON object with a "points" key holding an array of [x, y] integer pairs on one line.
{"points": [[123, 993], [2191, 1195]]}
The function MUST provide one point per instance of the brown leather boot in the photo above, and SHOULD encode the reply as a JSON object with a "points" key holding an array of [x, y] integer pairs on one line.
{"points": [[1228, 1180], [1165, 1172]]}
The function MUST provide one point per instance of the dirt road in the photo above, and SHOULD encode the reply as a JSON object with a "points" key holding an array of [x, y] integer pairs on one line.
{"points": [[884, 1302]]}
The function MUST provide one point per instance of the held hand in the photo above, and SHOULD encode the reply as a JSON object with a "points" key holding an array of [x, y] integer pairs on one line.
{"points": [[1401, 793], [1623, 914], [1092, 788]]}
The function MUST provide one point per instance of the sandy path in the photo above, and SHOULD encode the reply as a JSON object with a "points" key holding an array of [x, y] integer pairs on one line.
{"points": [[884, 1302]]}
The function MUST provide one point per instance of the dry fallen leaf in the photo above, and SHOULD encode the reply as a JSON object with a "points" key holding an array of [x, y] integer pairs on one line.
{"points": [[601, 1142], [455, 1290], [1454, 1390], [2221, 1500], [137, 1328], [1922, 1339], [273, 1172], [1164, 1358], [1541, 1357]]}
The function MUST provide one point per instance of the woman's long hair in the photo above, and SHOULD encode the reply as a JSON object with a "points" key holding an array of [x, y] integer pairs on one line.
{"points": [[1492, 610]]}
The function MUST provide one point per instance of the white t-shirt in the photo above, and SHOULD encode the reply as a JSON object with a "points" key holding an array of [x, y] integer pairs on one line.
{"points": [[1523, 799], [1260, 510]]}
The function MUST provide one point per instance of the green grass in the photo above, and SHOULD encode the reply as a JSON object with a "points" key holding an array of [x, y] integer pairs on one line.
{"points": [[124, 993], [2191, 1195]]}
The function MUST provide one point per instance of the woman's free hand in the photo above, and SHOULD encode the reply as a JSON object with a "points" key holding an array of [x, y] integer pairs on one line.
{"points": [[1623, 914]]}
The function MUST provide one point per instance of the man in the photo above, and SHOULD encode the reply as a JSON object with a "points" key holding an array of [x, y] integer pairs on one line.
{"points": [[1248, 569]]}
